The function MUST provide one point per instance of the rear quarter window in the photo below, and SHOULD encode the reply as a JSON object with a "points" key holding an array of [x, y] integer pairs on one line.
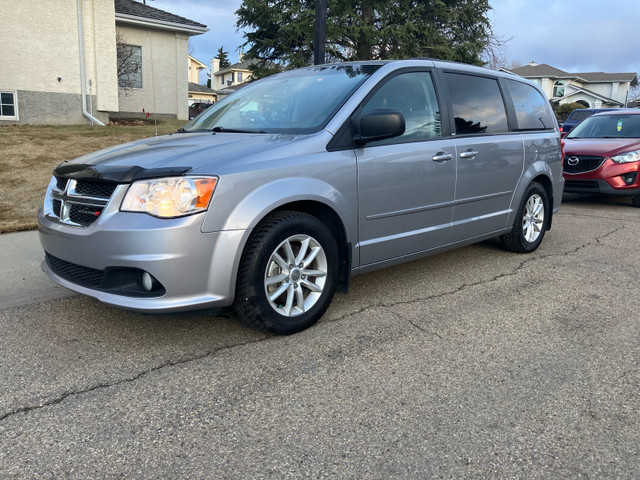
{"points": [[478, 107], [532, 110]]}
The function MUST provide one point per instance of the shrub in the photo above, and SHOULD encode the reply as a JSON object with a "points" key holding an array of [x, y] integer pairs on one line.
{"points": [[563, 111]]}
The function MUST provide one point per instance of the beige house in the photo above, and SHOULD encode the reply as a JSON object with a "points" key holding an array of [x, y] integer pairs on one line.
{"points": [[591, 89], [236, 74], [63, 68], [195, 67]]}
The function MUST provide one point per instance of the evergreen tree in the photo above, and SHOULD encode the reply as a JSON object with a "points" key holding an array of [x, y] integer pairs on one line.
{"points": [[280, 32], [223, 57]]}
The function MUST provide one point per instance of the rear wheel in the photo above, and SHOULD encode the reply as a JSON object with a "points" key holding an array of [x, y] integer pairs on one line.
{"points": [[531, 221], [288, 274]]}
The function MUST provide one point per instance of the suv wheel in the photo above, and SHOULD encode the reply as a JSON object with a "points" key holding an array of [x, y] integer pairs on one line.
{"points": [[288, 274], [531, 221]]}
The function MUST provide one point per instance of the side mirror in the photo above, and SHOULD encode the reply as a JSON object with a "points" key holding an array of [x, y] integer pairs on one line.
{"points": [[380, 124]]}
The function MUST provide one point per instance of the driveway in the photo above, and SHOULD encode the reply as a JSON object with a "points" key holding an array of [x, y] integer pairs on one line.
{"points": [[473, 363]]}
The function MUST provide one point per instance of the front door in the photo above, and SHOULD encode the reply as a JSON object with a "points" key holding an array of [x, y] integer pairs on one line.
{"points": [[406, 184]]}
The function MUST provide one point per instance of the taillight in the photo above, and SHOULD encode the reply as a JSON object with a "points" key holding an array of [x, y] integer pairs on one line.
{"points": [[562, 152]]}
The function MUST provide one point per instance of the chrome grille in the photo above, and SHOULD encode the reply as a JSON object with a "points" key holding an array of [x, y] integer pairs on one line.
{"points": [[78, 203], [96, 189]]}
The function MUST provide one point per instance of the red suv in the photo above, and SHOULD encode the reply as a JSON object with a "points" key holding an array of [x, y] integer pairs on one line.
{"points": [[602, 155]]}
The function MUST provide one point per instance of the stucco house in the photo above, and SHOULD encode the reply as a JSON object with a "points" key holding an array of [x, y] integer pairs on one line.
{"points": [[591, 89], [61, 67]]}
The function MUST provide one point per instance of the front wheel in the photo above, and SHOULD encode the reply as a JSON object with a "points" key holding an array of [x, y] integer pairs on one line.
{"points": [[288, 274], [532, 219], [635, 200]]}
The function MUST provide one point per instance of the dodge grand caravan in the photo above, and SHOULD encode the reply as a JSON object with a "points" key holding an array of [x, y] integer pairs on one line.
{"points": [[273, 198]]}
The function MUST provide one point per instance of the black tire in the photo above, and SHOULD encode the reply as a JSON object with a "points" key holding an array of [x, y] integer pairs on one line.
{"points": [[516, 240], [259, 267], [635, 200]]}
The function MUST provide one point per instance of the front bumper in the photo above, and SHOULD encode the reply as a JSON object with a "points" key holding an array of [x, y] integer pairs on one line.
{"points": [[608, 179], [195, 269], [597, 186]]}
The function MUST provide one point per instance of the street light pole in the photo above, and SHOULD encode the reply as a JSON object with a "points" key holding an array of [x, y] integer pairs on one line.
{"points": [[320, 32]]}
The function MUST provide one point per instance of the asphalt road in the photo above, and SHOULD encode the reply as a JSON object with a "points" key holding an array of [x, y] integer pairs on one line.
{"points": [[477, 363]]}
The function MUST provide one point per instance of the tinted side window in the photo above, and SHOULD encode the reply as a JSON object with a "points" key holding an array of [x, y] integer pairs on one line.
{"points": [[412, 94], [578, 115], [532, 111], [478, 107]]}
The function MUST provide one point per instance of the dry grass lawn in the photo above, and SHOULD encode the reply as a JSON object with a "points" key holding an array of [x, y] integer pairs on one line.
{"points": [[28, 154]]}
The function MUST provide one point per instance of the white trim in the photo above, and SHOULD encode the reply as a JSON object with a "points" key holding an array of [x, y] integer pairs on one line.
{"points": [[161, 24], [589, 93], [16, 115]]}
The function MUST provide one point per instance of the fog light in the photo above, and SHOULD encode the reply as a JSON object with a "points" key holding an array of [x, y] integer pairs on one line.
{"points": [[629, 178], [147, 281]]}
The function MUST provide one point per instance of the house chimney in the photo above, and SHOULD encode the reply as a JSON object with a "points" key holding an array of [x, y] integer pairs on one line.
{"points": [[240, 56], [533, 64], [215, 65]]}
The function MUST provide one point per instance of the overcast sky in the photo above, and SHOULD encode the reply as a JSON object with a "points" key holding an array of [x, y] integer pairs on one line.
{"points": [[572, 35]]}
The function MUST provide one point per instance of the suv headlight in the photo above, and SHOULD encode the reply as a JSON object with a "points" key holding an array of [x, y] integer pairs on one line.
{"points": [[169, 197], [627, 157]]}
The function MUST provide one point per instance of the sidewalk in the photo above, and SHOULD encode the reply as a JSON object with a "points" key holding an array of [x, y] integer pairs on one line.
{"points": [[22, 281]]}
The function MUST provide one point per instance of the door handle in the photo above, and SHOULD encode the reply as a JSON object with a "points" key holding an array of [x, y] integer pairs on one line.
{"points": [[468, 154], [442, 157]]}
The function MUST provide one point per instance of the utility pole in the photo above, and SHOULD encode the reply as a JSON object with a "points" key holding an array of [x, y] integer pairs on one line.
{"points": [[320, 32]]}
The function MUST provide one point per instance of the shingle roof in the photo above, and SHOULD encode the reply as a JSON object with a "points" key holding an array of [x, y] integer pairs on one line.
{"points": [[544, 70], [136, 9], [196, 87], [244, 65], [606, 77]]}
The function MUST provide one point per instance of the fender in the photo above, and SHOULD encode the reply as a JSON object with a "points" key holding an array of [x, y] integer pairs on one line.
{"points": [[251, 209]]}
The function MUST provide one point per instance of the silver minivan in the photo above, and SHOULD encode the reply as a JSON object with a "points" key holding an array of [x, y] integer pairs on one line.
{"points": [[273, 198]]}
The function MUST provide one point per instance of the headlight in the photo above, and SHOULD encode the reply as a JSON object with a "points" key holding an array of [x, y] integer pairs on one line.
{"points": [[169, 197], [627, 157]]}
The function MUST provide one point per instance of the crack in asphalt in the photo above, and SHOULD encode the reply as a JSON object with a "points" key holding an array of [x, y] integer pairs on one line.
{"points": [[464, 286], [61, 398], [418, 326], [73, 393], [511, 273]]}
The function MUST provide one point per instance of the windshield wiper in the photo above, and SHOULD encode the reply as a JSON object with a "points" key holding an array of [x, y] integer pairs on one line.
{"points": [[234, 130], [195, 130]]}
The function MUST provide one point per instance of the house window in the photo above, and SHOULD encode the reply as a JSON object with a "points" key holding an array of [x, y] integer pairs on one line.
{"points": [[558, 89], [129, 66], [239, 77], [8, 105]]}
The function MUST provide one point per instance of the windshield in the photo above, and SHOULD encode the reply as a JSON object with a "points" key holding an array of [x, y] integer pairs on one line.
{"points": [[299, 101], [608, 126]]}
